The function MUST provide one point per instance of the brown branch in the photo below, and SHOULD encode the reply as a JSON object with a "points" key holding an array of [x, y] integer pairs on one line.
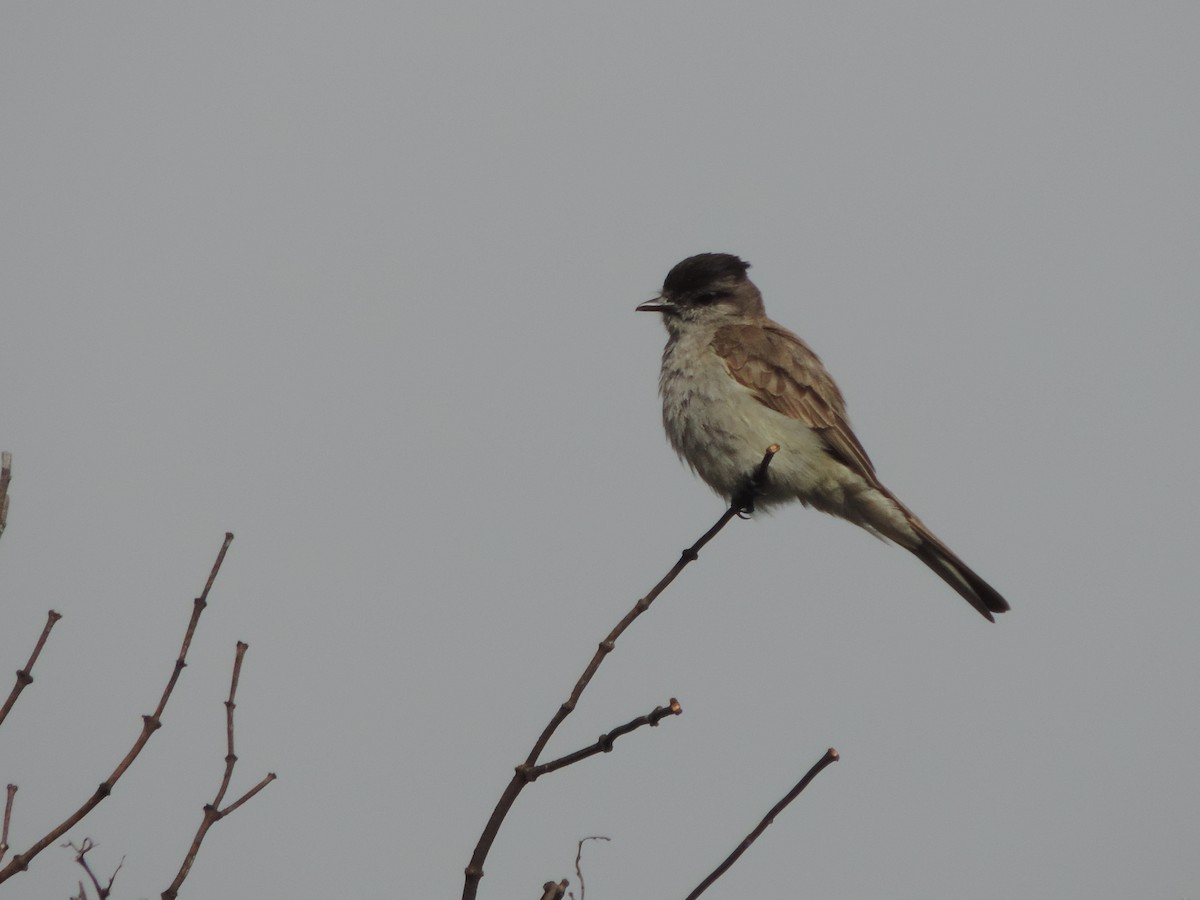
{"points": [[5, 478], [831, 756], [212, 811], [605, 743], [150, 724], [8, 805], [579, 857], [25, 675], [740, 505]]}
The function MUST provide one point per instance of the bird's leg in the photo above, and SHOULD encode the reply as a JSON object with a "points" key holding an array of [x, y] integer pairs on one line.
{"points": [[752, 485], [743, 498]]}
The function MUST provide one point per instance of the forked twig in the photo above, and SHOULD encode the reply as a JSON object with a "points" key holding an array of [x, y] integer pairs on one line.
{"points": [[605, 743], [25, 675], [831, 756], [81, 852], [212, 811], [150, 724], [741, 504]]}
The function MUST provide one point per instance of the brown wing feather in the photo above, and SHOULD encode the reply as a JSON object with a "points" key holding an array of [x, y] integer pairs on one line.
{"points": [[788, 377]]}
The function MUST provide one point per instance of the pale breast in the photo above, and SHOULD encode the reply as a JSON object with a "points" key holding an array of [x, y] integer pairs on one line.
{"points": [[718, 427]]}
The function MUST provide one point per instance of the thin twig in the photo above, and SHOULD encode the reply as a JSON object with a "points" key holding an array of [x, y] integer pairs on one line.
{"points": [[150, 724], [25, 675], [579, 857], [5, 478], [81, 852], [212, 811], [740, 505], [8, 805], [81, 858], [831, 756], [605, 743]]}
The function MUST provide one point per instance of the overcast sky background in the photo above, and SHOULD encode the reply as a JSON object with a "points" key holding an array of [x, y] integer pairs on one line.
{"points": [[356, 282]]}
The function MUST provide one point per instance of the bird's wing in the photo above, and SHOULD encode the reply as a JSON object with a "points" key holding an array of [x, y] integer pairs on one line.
{"points": [[786, 376]]}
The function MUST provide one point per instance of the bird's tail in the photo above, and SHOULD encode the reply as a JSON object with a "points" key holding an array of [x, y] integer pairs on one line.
{"points": [[956, 573]]}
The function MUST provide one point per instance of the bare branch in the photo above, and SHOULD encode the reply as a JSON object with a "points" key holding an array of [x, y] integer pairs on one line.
{"points": [[25, 675], [81, 852], [8, 805], [212, 811], [150, 724], [741, 504], [249, 795], [605, 743], [579, 856], [5, 478], [831, 756]]}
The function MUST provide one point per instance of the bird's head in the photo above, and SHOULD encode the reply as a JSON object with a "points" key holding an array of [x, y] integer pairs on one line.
{"points": [[707, 287]]}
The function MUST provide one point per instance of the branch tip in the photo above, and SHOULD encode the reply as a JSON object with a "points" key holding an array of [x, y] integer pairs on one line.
{"points": [[522, 774], [150, 724], [830, 756]]}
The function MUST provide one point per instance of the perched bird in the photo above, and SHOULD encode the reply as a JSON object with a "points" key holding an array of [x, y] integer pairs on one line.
{"points": [[734, 382]]}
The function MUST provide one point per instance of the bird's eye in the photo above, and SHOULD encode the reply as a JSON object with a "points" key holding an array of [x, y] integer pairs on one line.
{"points": [[708, 296]]}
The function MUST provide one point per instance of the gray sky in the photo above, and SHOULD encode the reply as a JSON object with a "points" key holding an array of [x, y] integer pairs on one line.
{"points": [[356, 282]]}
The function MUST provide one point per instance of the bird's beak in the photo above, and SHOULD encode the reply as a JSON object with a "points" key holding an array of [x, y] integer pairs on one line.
{"points": [[658, 304]]}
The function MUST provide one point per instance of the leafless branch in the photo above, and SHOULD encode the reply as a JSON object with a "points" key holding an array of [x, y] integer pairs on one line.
{"points": [[8, 805], [25, 675], [605, 743], [5, 478], [741, 504], [579, 857], [831, 756], [81, 852], [150, 724], [212, 811]]}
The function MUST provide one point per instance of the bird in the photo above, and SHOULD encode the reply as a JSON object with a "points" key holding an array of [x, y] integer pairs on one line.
{"points": [[733, 383]]}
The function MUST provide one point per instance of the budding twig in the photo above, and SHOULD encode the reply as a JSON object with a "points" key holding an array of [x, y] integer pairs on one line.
{"points": [[150, 724], [605, 743], [742, 503], [831, 756], [25, 675], [212, 811]]}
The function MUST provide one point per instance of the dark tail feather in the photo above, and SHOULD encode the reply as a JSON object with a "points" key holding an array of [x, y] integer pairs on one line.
{"points": [[958, 575]]}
